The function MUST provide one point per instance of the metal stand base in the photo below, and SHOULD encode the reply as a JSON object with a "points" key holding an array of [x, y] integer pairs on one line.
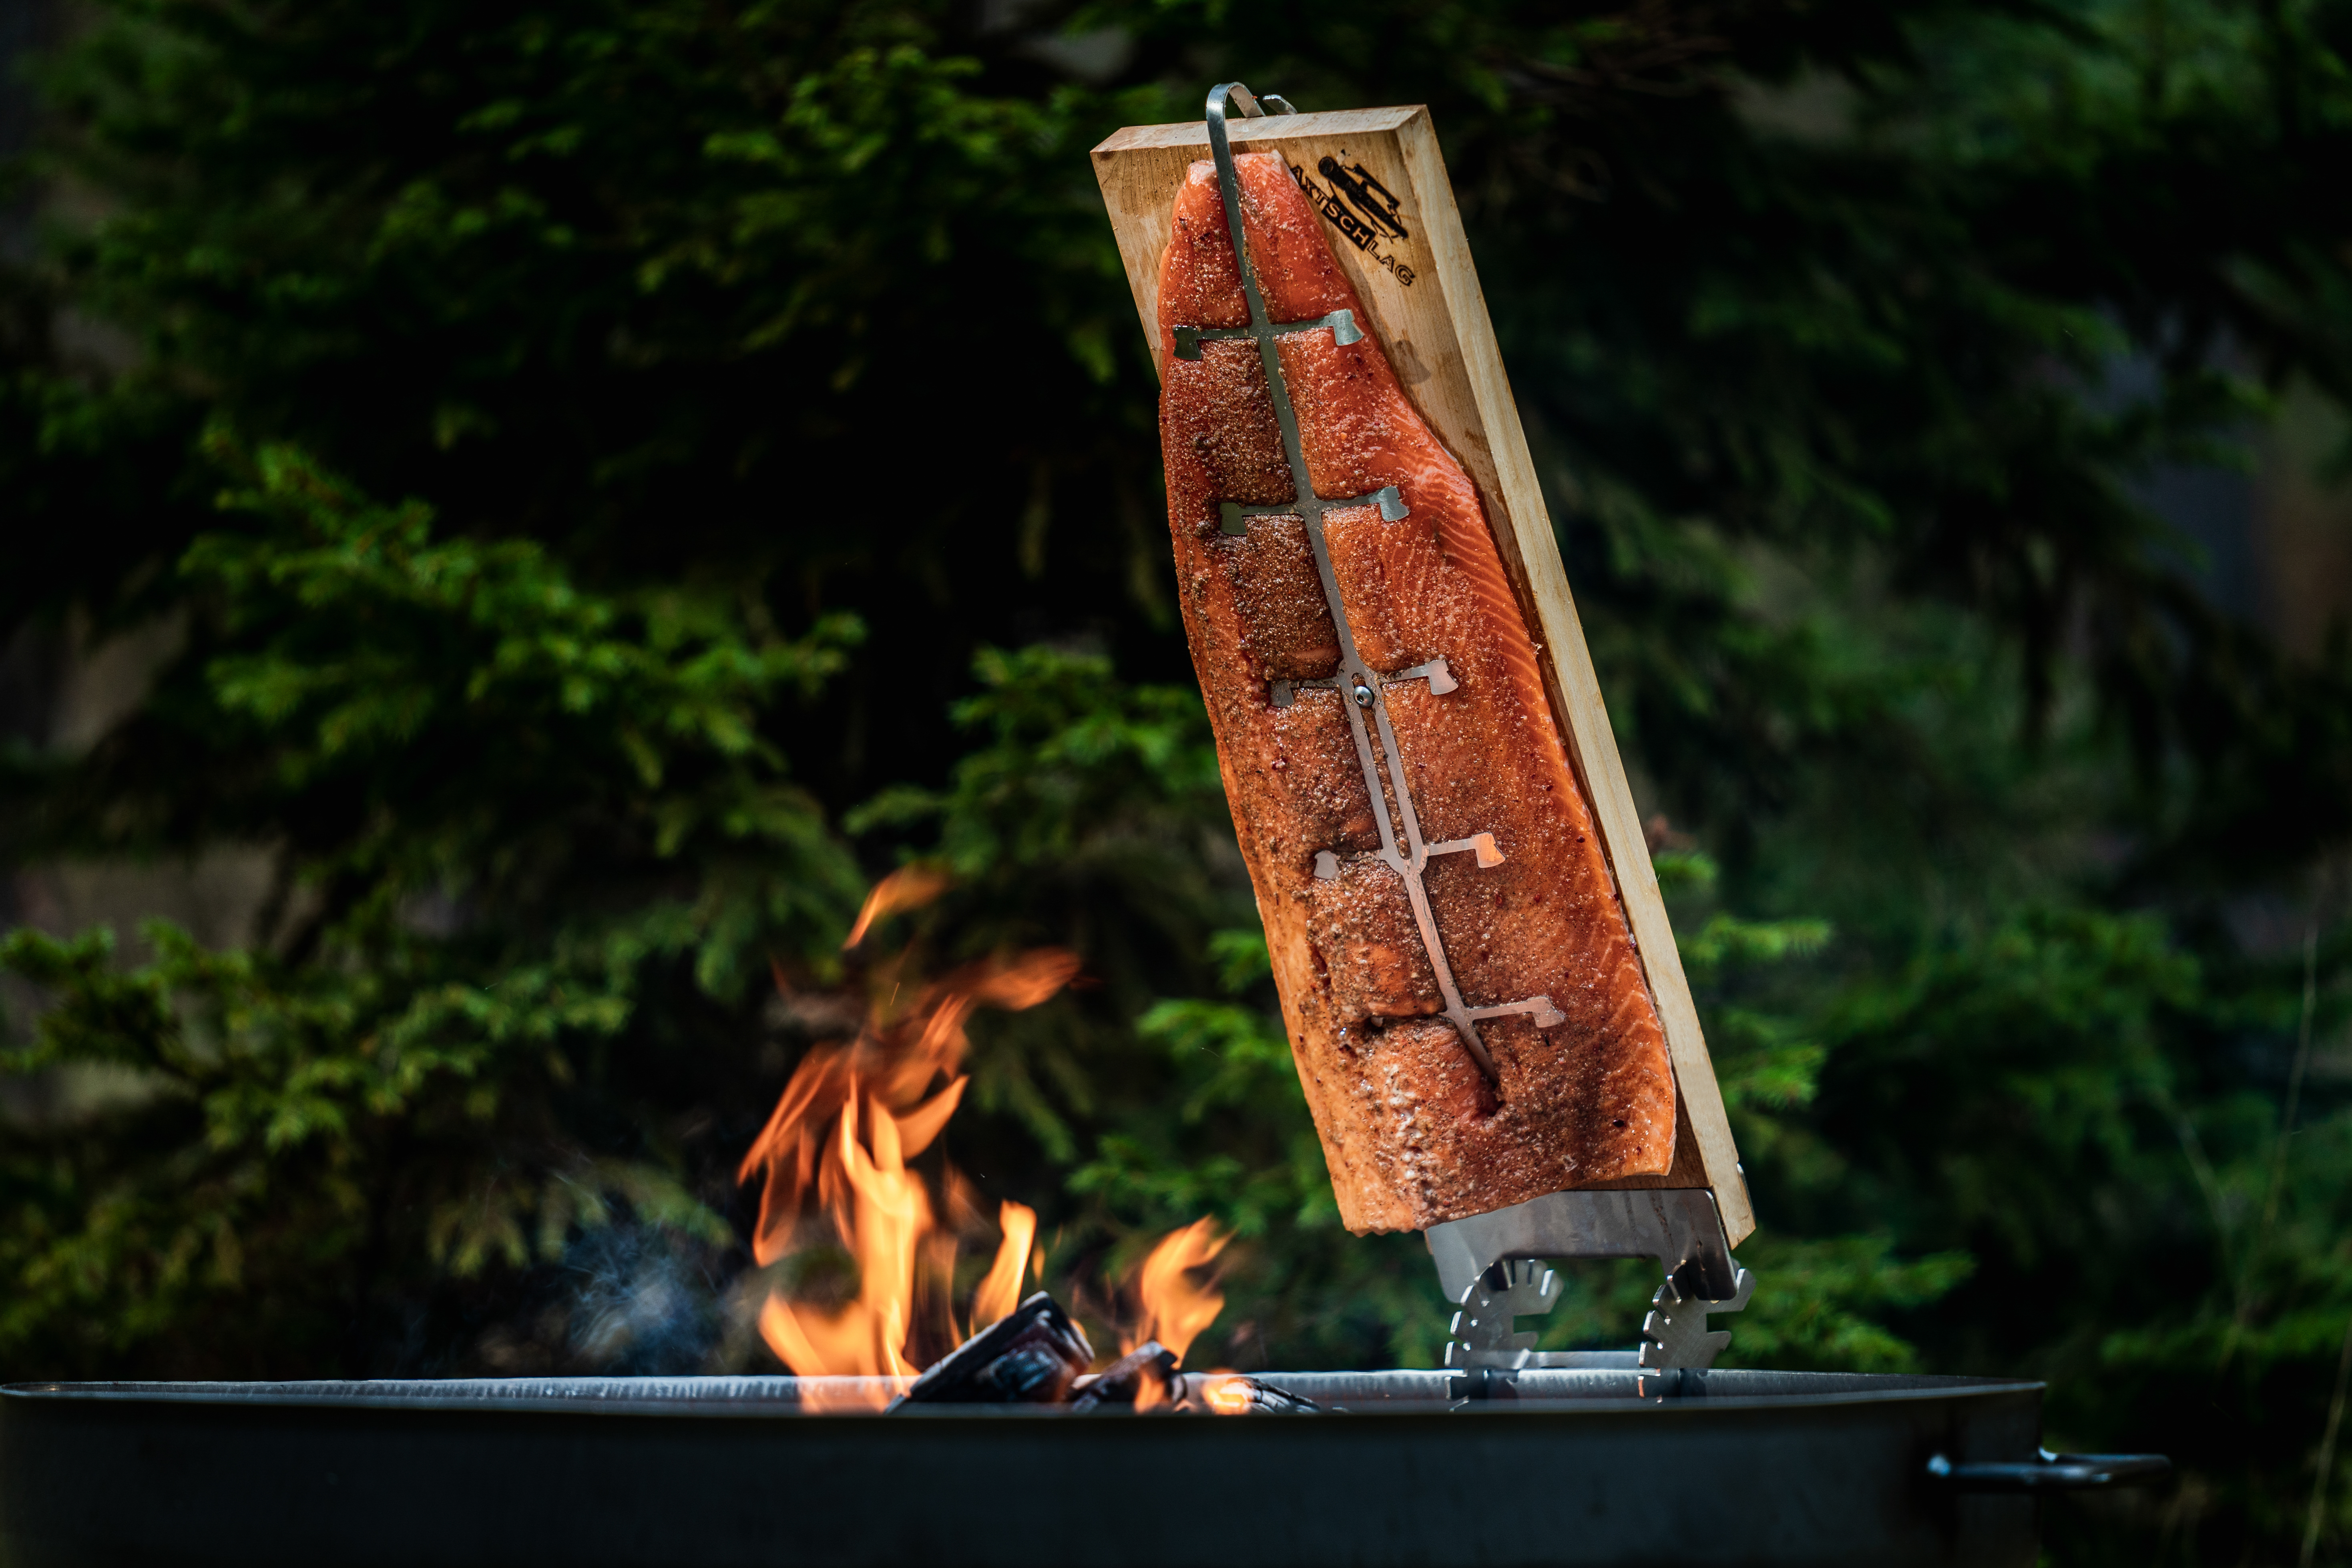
{"points": [[1489, 1265]]}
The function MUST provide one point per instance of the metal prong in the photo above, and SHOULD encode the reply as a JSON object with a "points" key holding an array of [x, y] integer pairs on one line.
{"points": [[1440, 679], [1276, 103], [1482, 845], [1327, 866], [1279, 692], [1539, 1009], [1535, 1007], [1188, 343], [1344, 332], [1393, 507], [1232, 519]]}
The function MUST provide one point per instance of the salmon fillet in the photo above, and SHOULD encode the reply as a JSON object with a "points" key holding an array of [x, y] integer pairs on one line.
{"points": [[1518, 1053]]}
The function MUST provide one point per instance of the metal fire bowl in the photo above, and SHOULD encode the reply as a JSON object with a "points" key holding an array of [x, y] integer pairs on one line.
{"points": [[1737, 1468]]}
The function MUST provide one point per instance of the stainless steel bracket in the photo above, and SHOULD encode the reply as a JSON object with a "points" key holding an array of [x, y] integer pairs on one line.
{"points": [[1342, 323], [1484, 1266], [1675, 1333], [1233, 518], [1486, 1329], [1282, 693]]}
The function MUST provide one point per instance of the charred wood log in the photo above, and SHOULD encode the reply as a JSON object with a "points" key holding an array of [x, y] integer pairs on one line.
{"points": [[1142, 1379], [1037, 1355], [1032, 1355]]}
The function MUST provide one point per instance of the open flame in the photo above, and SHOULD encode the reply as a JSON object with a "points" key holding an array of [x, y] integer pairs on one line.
{"points": [[1175, 1307], [838, 1146], [1000, 1291], [839, 1141]]}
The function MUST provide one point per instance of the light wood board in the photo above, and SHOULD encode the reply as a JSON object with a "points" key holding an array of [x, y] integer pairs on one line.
{"points": [[1421, 293]]}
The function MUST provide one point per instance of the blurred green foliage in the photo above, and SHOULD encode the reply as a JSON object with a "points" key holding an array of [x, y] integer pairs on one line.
{"points": [[784, 487]]}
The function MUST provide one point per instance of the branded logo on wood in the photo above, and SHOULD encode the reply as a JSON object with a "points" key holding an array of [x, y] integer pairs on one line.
{"points": [[1362, 208]]}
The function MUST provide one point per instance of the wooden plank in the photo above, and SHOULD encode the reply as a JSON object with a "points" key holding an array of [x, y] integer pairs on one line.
{"points": [[1421, 292]]}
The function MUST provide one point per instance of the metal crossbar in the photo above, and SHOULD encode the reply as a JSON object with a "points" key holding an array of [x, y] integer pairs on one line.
{"points": [[1368, 713]]}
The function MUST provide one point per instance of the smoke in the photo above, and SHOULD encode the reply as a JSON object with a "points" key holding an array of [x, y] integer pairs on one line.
{"points": [[643, 1302]]}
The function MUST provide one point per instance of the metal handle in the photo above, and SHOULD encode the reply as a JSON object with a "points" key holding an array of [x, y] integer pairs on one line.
{"points": [[2052, 1472]]}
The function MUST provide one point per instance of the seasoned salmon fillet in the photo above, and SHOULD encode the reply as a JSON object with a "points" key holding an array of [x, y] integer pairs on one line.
{"points": [[1463, 1000]]}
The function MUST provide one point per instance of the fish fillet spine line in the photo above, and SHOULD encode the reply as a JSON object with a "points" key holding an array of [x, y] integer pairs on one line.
{"points": [[1413, 858]]}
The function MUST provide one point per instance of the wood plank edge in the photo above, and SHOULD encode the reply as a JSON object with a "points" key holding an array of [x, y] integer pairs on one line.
{"points": [[1273, 127]]}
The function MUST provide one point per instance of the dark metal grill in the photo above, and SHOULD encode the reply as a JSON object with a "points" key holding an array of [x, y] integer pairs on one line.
{"points": [[1562, 1467]]}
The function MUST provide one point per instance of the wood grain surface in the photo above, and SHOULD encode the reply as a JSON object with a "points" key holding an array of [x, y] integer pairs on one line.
{"points": [[1420, 289]]}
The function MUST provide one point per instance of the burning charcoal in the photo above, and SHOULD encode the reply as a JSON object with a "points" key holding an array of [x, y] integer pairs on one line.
{"points": [[1142, 1379], [1231, 1393], [1030, 1356]]}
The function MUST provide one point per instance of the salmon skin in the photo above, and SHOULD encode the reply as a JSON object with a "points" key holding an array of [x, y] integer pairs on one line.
{"points": [[1464, 1003]]}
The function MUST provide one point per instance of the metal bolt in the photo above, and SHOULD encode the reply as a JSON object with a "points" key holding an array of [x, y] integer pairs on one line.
{"points": [[1363, 695]]}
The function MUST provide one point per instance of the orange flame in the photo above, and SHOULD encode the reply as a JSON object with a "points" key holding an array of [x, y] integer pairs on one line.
{"points": [[1000, 1292], [1175, 1308], [907, 888], [848, 1121]]}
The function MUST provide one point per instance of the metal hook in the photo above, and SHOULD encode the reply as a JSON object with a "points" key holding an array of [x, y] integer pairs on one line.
{"points": [[1252, 106]]}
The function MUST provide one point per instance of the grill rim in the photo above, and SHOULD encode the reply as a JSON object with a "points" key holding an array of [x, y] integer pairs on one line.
{"points": [[1415, 1393]]}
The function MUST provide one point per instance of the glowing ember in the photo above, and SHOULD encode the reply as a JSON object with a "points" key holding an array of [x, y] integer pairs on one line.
{"points": [[1228, 1395]]}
